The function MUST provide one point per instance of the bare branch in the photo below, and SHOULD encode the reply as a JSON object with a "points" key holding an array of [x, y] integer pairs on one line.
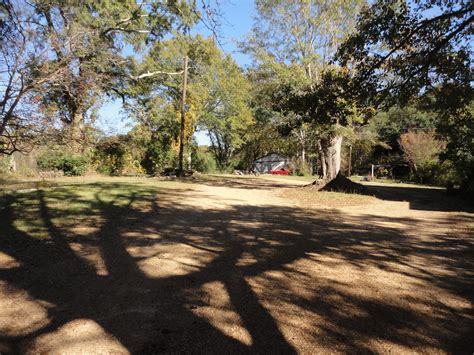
{"points": [[149, 74], [126, 30]]}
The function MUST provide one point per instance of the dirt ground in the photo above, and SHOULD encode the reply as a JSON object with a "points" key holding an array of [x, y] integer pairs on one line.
{"points": [[235, 265]]}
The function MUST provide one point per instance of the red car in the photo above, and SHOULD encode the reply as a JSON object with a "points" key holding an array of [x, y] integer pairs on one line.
{"points": [[280, 172]]}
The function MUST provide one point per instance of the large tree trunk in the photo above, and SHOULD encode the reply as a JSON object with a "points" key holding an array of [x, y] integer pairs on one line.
{"points": [[330, 153], [330, 157], [77, 134], [322, 161]]}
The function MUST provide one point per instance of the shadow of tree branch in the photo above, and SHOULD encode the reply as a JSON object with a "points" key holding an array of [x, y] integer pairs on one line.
{"points": [[147, 309]]}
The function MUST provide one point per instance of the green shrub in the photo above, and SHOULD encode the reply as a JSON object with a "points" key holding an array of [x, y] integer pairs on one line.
{"points": [[110, 155], [75, 165], [202, 160], [69, 164], [50, 161], [446, 174], [157, 158]]}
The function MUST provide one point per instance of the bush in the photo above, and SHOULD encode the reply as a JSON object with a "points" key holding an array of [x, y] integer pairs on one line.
{"points": [[50, 161], [421, 150], [446, 174], [110, 154], [70, 165], [75, 165], [202, 160], [157, 158]]}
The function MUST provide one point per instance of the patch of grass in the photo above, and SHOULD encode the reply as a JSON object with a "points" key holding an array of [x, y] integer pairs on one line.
{"points": [[395, 183], [290, 177], [70, 207], [312, 198], [392, 182]]}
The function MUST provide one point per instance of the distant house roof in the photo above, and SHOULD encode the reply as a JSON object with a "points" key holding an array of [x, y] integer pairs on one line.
{"points": [[272, 157]]}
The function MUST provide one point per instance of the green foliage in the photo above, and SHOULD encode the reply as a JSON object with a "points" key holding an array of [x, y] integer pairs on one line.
{"points": [[397, 120], [75, 165], [458, 128], [445, 174], [302, 32], [329, 104], [223, 107], [203, 160], [157, 157], [265, 134], [69, 164], [402, 49], [110, 154], [152, 144], [146, 148], [292, 43], [420, 49], [68, 55], [4, 165], [216, 100]]}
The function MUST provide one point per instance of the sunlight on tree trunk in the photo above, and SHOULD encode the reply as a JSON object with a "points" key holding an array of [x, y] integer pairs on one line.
{"points": [[77, 134], [331, 152]]}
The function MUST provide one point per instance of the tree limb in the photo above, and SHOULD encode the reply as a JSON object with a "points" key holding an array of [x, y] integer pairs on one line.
{"points": [[149, 74]]}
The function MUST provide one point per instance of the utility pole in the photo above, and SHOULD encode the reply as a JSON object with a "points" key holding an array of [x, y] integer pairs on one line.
{"points": [[350, 160], [183, 117]]}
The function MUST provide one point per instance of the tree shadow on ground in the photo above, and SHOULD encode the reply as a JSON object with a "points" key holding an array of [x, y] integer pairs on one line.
{"points": [[241, 248], [422, 198]]}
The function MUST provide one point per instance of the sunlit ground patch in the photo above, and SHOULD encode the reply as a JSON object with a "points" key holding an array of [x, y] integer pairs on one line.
{"points": [[80, 336]]}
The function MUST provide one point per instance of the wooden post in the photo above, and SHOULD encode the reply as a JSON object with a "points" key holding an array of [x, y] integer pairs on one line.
{"points": [[183, 117], [350, 160]]}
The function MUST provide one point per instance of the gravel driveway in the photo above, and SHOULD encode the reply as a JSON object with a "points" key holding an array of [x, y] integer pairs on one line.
{"points": [[234, 265]]}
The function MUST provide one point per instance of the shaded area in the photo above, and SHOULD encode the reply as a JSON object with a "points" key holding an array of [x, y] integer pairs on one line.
{"points": [[422, 198], [13, 185], [342, 184], [241, 247]]}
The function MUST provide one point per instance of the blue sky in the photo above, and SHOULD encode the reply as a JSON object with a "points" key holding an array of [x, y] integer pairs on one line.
{"points": [[237, 22]]}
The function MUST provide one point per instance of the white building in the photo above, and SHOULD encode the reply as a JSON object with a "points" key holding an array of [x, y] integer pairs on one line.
{"points": [[269, 162]]}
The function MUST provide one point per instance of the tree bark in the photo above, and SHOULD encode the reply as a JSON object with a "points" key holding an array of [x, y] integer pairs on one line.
{"points": [[322, 161], [77, 134], [330, 152]]}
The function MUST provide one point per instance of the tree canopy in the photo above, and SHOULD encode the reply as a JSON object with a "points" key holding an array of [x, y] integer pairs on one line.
{"points": [[402, 51], [328, 79], [69, 53]]}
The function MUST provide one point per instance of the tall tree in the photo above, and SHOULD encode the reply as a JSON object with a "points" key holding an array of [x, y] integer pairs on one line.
{"points": [[303, 33], [330, 106], [217, 92], [92, 34], [420, 48], [21, 73], [85, 41], [225, 112], [306, 32]]}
